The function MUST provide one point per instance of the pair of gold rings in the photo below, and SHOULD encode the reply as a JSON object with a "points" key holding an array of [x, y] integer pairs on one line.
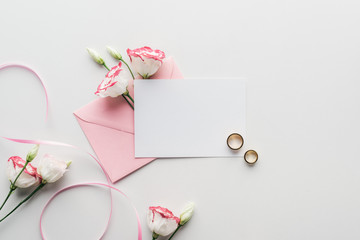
{"points": [[235, 141]]}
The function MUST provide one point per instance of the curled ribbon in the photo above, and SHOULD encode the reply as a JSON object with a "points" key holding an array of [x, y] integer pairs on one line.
{"points": [[11, 65], [53, 143], [90, 184]]}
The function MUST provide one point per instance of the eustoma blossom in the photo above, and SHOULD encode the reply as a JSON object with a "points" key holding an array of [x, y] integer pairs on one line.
{"points": [[28, 178], [116, 80], [114, 84], [146, 61], [161, 221], [52, 169], [22, 174]]}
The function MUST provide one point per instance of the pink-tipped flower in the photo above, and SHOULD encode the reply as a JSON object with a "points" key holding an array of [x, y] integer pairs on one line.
{"points": [[28, 177], [161, 221], [146, 61], [115, 83]]}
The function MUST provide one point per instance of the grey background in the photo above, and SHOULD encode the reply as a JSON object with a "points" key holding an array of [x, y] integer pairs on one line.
{"points": [[301, 59]]}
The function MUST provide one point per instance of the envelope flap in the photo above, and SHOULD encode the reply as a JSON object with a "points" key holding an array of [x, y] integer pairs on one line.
{"points": [[108, 112], [115, 112]]}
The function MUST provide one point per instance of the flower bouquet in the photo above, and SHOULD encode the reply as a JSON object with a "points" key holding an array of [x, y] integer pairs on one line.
{"points": [[23, 174], [145, 61]]}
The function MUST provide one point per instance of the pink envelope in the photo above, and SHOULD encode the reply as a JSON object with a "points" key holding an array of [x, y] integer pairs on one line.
{"points": [[108, 124]]}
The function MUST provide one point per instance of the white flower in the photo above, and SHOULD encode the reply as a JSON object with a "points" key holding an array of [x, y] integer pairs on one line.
{"points": [[161, 221], [146, 61], [187, 213], [115, 54], [51, 169], [115, 83], [28, 177], [95, 56]]}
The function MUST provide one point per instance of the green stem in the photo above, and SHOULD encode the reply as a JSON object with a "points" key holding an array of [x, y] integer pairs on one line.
{"points": [[175, 231], [128, 101], [106, 67], [123, 94], [23, 201], [22, 170], [10, 192], [12, 186], [128, 68], [128, 94]]}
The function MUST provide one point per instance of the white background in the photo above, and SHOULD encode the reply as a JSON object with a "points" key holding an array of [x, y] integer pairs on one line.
{"points": [[302, 62]]}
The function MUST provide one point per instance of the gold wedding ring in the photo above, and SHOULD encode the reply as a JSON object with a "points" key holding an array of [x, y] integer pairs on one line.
{"points": [[235, 141], [251, 156]]}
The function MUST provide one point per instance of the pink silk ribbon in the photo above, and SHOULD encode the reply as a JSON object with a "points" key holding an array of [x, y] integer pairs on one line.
{"points": [[11, 65], [91, 184], [53, 143]]}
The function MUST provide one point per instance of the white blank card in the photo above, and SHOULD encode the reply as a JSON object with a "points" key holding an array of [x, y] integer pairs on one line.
{"points": [[188, 118]]}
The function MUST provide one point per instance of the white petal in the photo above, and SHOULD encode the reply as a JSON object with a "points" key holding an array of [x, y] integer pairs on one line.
{"points": [[24, 181], [51, 169], [148, 67], [160, 225]]}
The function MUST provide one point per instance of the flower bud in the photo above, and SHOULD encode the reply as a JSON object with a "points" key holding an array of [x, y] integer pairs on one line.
{"points": [[115, 54], [68, 163], [187, 213], [33, 153], [95, 56]]}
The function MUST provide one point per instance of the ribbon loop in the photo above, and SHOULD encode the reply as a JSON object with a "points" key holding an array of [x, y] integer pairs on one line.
{"points": [[53, 143], [10, 65]]}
